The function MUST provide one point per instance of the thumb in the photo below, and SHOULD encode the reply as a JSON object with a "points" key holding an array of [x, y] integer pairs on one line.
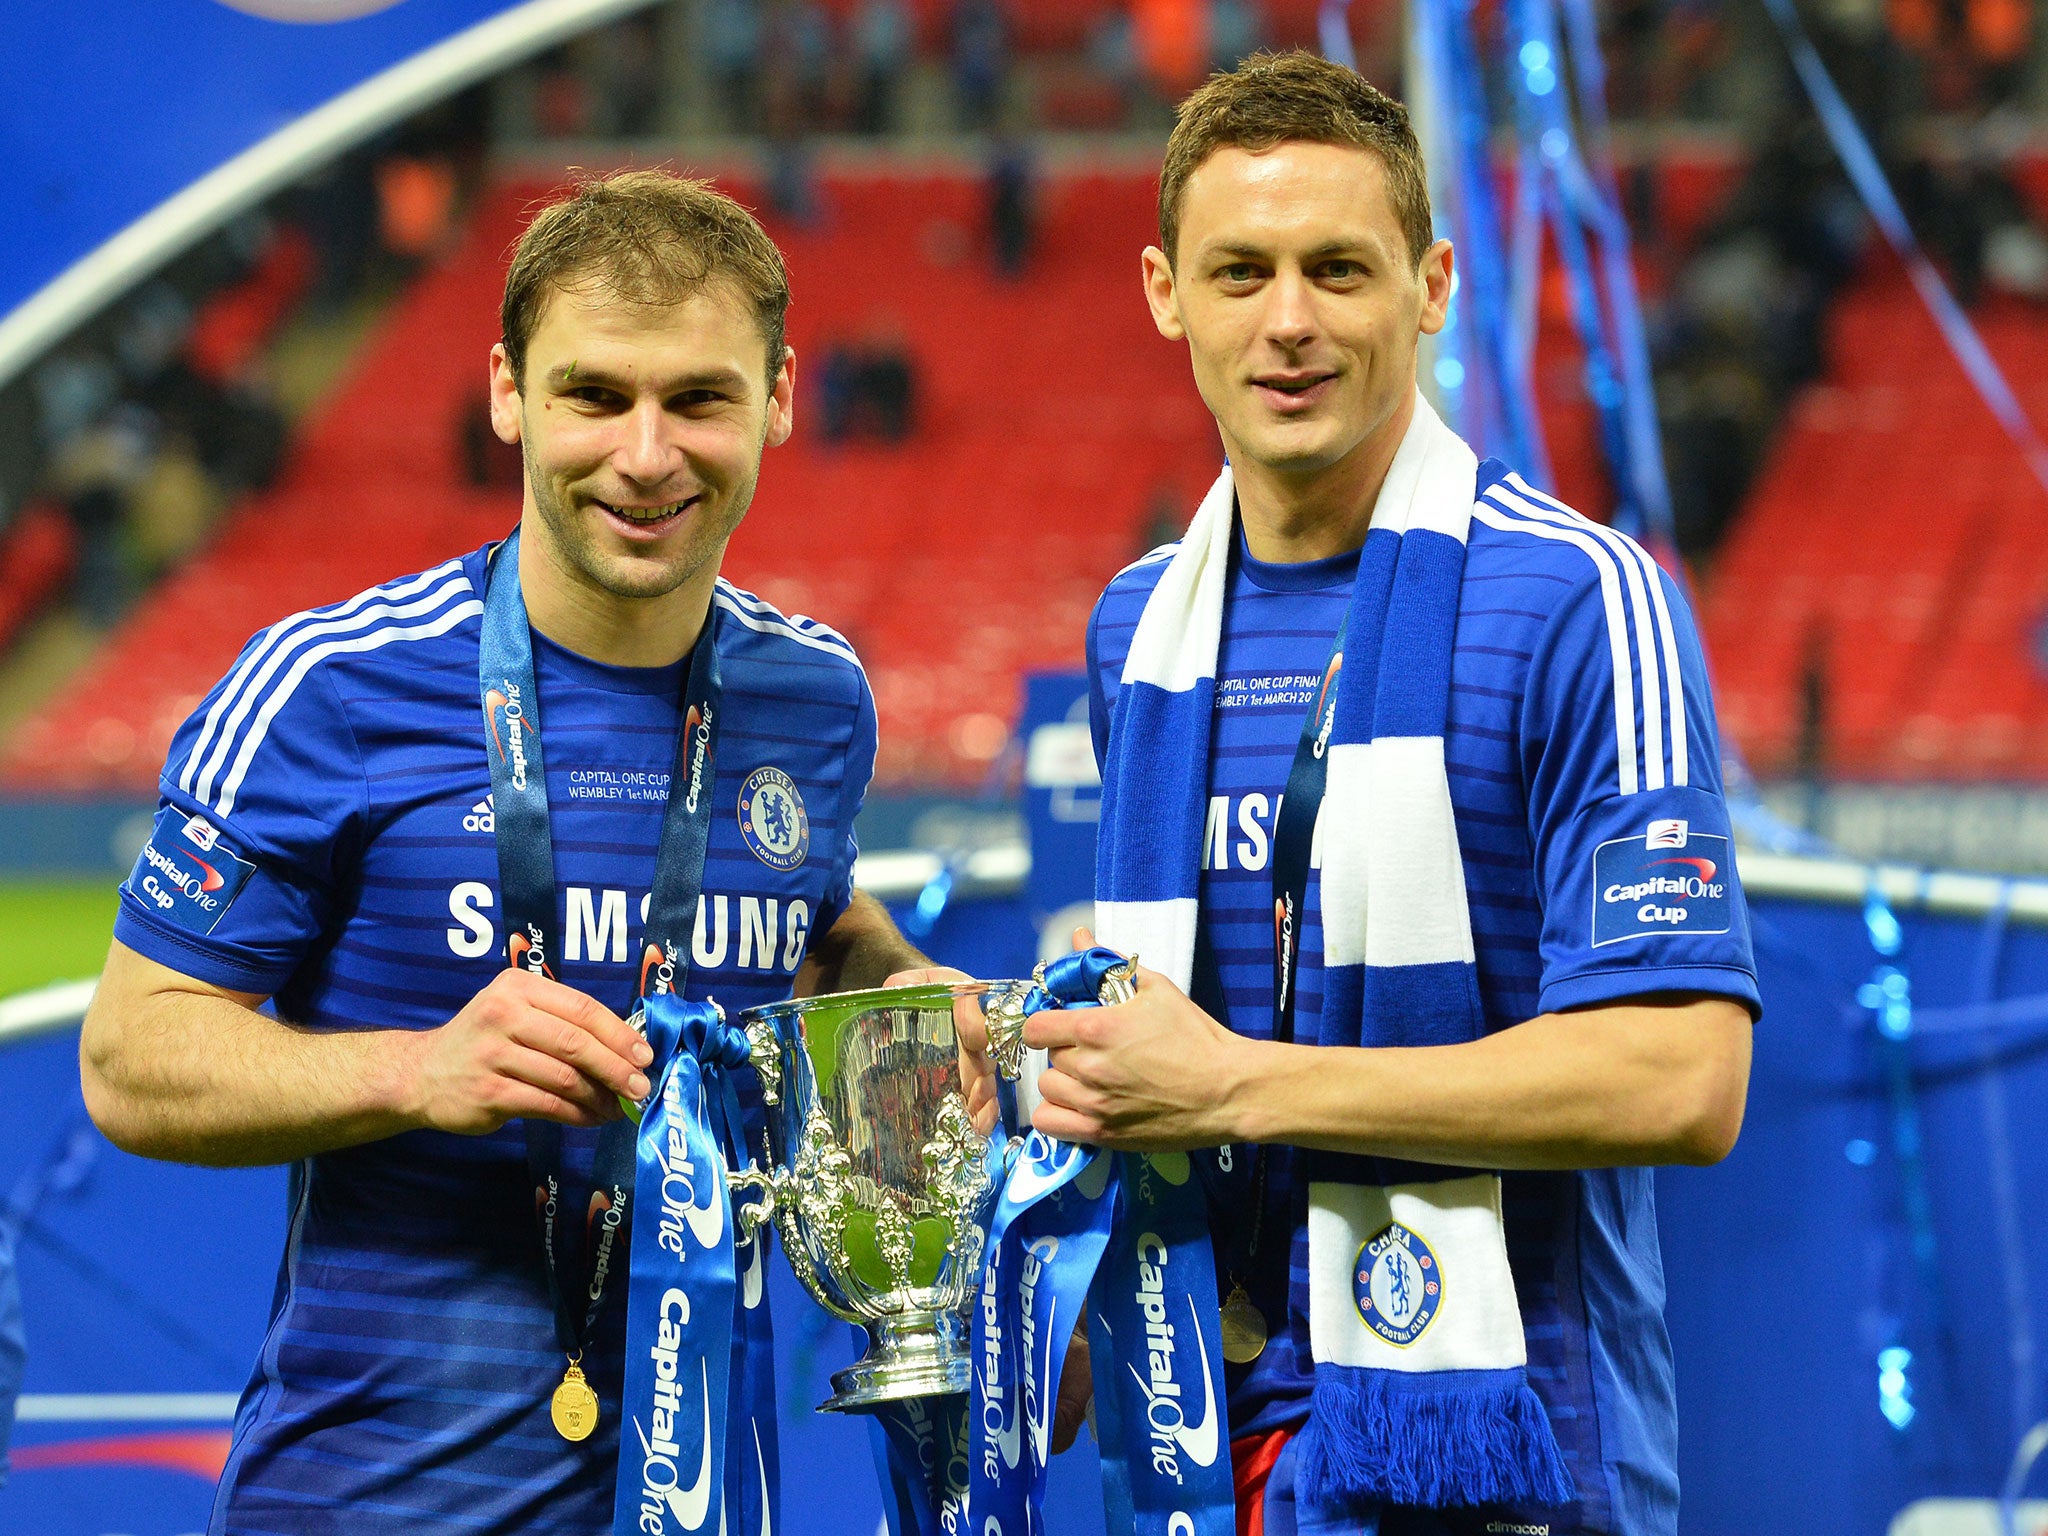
{"points": [[1084, 938]]}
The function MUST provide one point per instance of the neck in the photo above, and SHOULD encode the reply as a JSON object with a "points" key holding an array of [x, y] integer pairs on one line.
{"points": [[1290, 517], [577, 614]]}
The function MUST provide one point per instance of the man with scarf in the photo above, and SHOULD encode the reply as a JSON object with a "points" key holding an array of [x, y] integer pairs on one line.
{"points": [[1412, 811]]}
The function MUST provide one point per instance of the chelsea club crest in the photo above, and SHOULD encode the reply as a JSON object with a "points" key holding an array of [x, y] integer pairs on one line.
{"points": [[773, 820], [1397, 1284]]}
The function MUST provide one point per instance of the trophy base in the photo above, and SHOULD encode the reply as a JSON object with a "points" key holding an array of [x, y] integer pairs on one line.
{"points": [[912, 1354]]}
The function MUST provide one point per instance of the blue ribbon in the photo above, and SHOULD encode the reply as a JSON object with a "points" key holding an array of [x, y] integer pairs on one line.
{"points": [[699, 1356], [1122, 1239], [921, 1450], [1156, 1338], [1051, 1225]]}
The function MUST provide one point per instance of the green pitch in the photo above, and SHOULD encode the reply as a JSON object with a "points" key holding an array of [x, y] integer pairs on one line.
{"points": [[56, 930]]}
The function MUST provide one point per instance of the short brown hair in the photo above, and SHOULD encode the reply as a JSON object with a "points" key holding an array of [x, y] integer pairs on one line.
{"points": [[1295, 97], [643, 238]]}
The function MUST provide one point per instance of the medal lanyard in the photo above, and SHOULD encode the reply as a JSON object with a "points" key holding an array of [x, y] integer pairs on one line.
{"points": [[1294, 837], [526, 880]]}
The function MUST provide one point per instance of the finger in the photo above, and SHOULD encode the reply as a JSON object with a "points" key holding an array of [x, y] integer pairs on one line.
{"points": [[970, 1026], [528, 1072], [1050, 1028], [981, 1106], [925, 975], [519, 1101], [976, 1080], [593, 1018], [551, 1035], [1067, 1125], [1143, 977], [1057, 1085], [1084, 938]]}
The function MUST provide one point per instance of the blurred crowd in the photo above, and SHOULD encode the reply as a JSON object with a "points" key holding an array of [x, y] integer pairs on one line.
{"points": [[125, 444], [1938, 86], [118, 450], [788, 68]]}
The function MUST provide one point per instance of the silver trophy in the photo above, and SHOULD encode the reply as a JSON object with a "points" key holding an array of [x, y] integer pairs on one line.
{"points": [[877, 1180]]}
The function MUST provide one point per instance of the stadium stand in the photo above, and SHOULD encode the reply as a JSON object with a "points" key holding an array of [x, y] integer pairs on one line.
{"points": [[231, 328], [954, 562], [1044, 455], [1889, 566], [37, 553]]}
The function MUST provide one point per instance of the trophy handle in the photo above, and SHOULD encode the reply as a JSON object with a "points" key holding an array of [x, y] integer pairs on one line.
{"points": [[752, 1217], [1006, 1016], [764, 1050], [1119, 982], [1005, 1020]]}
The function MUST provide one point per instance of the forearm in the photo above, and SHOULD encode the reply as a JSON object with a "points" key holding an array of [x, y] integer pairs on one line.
{"points": [[1617, 1086], [205, 1078], [862, 949]]}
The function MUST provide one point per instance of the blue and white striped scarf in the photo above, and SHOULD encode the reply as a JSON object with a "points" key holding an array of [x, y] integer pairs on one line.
{"points": [[1421, 1391]]}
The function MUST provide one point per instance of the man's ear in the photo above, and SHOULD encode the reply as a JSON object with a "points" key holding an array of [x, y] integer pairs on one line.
{"points": [[1160, 294], [781, 402], [1435, 274], [505, 402]]}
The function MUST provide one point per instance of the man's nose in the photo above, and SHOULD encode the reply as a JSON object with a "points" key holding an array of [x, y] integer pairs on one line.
{"points": [[648, 452], [1290, 309]]}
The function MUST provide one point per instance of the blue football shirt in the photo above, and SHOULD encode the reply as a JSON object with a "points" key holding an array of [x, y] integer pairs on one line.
{"points": [[326, 838], [1585, 780]]}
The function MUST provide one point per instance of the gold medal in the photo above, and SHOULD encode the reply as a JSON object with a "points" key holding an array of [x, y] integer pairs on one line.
{"points": [[574, 1405], [1244, 1328]]}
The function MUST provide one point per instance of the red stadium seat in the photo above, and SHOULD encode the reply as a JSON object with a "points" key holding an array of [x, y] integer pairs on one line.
{"points": [[1051, 417], [1896, 520]]}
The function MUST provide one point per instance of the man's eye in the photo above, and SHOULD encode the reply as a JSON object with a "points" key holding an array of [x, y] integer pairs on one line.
{"points": [[591, 394], [1239, 272], [1343, 271]]}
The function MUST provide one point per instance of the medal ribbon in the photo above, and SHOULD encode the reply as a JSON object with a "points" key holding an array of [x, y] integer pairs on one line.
{"points": [[1294, 839], [692, 1062]]}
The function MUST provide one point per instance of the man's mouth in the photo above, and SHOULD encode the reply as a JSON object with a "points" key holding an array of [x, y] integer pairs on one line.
{"points": [[649, 517], [1292, 391]]}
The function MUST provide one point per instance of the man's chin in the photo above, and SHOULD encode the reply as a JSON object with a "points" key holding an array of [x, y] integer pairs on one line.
{"points": [[640, 576], [1299, 448]]}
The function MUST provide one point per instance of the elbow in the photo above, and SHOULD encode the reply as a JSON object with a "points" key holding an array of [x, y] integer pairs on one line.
{"points": [[113, 1111], [1709, 1121], [108, 1110], [1706, 1139]]}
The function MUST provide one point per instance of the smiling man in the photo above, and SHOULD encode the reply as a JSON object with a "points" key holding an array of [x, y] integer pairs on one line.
{"points": [[447, 973], [1411, 796]]}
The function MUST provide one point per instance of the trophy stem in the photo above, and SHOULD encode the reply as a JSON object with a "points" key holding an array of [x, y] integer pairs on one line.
{"points": [[910, 1354]]}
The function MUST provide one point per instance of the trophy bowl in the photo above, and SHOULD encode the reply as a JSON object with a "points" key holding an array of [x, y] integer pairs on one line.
{"points": [[876, 1178]]}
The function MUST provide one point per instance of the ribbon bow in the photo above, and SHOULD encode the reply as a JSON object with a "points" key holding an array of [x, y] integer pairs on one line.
{"points": [[1121, 1239]]}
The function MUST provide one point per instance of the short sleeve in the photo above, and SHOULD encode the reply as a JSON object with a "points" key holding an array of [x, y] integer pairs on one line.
{"points": [[860, 772], [1098, 702], [260, 819], [1635, 855]]}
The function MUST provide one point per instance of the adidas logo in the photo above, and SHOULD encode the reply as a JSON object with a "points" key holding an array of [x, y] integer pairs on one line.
{"points": [[480, 817]]}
